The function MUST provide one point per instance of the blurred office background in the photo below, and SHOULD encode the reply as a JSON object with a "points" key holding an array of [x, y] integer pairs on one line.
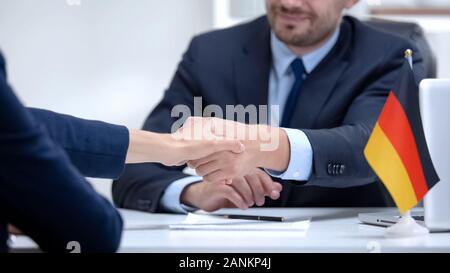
{"points": [[113, 59]]}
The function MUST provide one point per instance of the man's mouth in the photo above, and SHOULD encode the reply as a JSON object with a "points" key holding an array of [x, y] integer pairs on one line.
{"points": [[292, 18]]}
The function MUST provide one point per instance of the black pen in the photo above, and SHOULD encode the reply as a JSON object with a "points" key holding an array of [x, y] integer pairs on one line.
{"points": [[254, 217]]}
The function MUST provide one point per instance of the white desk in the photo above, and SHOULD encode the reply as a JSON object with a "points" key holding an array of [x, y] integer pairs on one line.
{"points": [[331, 230]]}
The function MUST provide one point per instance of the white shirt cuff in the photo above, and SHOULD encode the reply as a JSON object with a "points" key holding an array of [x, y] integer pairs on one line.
{"points": [[171, 199], [301, 157]]}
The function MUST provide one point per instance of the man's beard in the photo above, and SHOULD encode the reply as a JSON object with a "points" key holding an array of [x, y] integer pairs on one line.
{"points": [[317, 31], [309, 38]]}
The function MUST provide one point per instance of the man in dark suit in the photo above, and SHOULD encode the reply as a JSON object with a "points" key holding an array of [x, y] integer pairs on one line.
{"points": [[329, 74], [44, 157]]}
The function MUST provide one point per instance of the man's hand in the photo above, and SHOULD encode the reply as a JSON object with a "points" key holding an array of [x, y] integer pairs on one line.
{"points": [[265, 147], [254, 187], [243, 193], [224, 165], [212, 196]]}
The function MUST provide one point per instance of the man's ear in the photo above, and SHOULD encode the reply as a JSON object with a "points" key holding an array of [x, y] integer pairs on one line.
{"points": [[350, 3]]}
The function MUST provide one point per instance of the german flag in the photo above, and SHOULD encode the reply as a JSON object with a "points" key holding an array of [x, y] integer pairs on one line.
{"points": [[397, 150]]}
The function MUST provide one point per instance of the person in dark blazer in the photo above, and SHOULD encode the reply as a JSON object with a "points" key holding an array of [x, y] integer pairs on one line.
{"points": [[329, 73], [44, 157]]}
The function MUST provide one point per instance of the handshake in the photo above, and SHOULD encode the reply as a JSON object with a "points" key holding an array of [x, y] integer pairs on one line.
{"points": [[228, 156]]}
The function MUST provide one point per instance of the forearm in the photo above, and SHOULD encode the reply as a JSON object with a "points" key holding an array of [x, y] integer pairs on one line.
{"points": [[272, 150], [339, 158], [148, 147], [96, 142], [97, 149]]}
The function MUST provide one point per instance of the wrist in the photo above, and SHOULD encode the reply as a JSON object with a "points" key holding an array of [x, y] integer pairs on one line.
{"points": [[274, 153], [146, 146], [189, 195], [135, 153]]}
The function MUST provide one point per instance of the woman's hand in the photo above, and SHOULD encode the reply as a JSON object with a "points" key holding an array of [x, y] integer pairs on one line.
{"points": [[188, 150], [174, 149]]}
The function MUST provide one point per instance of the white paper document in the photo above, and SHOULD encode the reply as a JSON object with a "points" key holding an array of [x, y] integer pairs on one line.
{"points": [[213, 222]]}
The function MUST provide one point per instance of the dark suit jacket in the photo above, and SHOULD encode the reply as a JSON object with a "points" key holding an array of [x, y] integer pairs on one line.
{"points": [[339, 103], [43, 157]]}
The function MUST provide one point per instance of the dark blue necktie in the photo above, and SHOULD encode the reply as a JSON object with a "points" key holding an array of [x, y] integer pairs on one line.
{"points": [[299, 72]]}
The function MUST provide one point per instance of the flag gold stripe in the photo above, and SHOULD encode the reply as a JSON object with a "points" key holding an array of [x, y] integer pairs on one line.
{"points": [[397, 128], [387, 164]]}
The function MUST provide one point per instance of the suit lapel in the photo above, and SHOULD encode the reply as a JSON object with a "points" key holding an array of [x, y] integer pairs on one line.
{"points": [[252, 67], [252, 70], [318, 87], [316, 91]]}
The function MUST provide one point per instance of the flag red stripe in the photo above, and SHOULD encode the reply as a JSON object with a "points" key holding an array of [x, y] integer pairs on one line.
{"points": [[394, 123]]}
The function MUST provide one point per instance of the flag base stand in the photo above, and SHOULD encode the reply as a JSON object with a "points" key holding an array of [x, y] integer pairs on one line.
{"points": [[406, 227]]}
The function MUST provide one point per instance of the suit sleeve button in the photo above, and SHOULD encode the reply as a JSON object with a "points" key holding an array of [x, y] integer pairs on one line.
{"points": [[330, 169]]}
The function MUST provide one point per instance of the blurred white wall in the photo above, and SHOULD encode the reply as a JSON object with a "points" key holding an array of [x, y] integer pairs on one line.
{"points": [[104, 59], [101, 59]]}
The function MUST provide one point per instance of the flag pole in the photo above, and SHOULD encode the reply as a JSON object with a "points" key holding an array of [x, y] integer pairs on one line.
{"points": [[409, 58], [406, 225]]}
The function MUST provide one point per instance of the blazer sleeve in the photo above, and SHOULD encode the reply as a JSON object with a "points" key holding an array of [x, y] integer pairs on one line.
{"points": [[344, 145], [142, 185], [96, 148], [42, 193]]}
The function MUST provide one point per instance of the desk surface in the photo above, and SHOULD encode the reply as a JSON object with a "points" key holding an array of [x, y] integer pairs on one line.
{"points": [[331, 230]]}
